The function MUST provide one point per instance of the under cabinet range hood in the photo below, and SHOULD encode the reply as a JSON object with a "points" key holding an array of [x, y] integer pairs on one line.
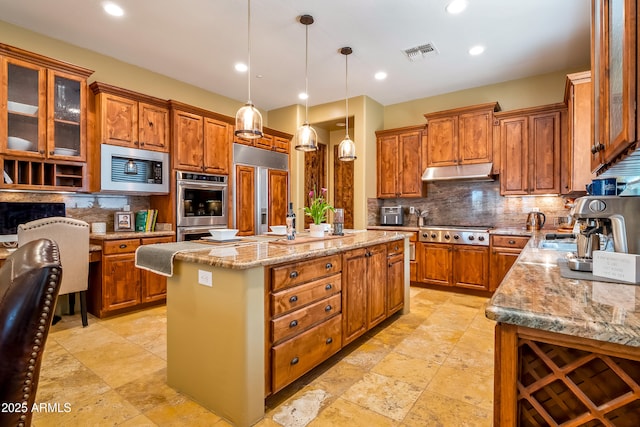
{"points": [[472, 172]]}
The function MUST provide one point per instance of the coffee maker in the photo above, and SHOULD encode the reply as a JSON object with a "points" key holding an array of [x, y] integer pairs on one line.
{"points": [[613, 220]]}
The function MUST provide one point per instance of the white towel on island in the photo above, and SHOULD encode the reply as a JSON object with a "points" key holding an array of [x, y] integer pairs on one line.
{"points": [[158, 258]]}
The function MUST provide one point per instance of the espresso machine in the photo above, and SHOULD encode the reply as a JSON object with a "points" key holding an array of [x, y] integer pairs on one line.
{"points": [[605, 222]]}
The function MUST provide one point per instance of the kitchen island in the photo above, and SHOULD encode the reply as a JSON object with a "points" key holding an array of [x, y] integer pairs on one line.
{"points": [[246, 318], [567, 350]]}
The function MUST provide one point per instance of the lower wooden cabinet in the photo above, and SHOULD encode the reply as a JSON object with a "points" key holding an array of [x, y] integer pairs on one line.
{"points": [[443, 264], [116, 285], [505, 249], [395, 276]]}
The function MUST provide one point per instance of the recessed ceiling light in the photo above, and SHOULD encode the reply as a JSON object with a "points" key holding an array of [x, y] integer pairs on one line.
{"points": [[380, 75], [241, 68], [112, 9], [456, 6], [476, 50], [303, 95]]}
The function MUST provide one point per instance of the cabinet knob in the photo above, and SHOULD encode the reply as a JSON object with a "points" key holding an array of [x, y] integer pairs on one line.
{"points": [[122, 246], [329, 340], [293, 324], [293, 299], [51, 153], [42, 152], [328, 266], [295, 361], [293, 274], [328, 286], [512, 242], [328, 308], [142, 144]]}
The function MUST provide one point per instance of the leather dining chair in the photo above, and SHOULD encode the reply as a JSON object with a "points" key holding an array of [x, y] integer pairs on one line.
{"points": [[72, 237], [29, 283]]}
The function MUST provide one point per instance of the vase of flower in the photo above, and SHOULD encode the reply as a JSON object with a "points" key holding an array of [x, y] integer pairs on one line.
{"points": [[316, 230]]}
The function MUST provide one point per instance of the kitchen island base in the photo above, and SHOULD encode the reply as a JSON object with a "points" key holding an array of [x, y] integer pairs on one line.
{"points": [[544, 378]]}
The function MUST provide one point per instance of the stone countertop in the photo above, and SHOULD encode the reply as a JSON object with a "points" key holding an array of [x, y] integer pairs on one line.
{"points": [[251, 253], [535, 295], [117, 235]]}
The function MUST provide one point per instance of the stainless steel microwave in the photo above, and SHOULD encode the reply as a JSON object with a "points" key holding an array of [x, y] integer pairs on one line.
{"points": [[126, 169]]}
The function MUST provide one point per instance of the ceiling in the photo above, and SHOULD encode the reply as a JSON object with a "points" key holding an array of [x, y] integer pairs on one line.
{"points": [[200, 41]]}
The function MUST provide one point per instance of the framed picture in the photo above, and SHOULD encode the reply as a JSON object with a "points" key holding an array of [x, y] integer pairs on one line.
{"points": [[123, 221]]}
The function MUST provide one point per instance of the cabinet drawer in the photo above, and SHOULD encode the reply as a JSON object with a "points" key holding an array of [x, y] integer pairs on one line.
{"points": [[394, 248], [295, 357], [154, 240], [293, 323], [509, 241], [111, 247], [300, 272], [299, 296]]}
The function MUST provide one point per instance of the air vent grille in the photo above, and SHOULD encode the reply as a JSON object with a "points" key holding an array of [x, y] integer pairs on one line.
{"points": [[420, 52]]}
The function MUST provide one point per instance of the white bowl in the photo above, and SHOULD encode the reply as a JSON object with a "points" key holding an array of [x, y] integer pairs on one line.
{"points": [[65, 151], [15, 143], [279, 229], [223, 233], [17, 107]]}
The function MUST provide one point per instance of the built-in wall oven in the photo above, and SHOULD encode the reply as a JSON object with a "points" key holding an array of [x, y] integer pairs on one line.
{"points": [[201, 204]]}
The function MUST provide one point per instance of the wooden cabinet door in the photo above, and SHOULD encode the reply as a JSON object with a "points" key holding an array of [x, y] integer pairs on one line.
{"points": [[278, 196], [544, 153], [153, 286], [119, 120], [395, 283], [265, 142], [387, 158], [376, 280], [410, 164], [435, 265], [501, 261], [354, 294], [217, 146], [153, 127], [514, 175], [442, 141], [475, 137], [188, 141], [281, 145], [576, 151], [245, 200], [120, 282], [471, 266]]}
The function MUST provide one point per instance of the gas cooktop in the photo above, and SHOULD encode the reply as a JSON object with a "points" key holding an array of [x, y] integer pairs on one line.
{"points": [[456, 234]]}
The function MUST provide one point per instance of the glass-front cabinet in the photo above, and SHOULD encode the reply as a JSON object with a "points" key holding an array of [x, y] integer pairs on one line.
{"points": [[43, 120], [614, 62]]}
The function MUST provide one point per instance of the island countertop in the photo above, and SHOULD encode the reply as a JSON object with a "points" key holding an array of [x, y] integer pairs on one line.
{"points": [[535, 295]]}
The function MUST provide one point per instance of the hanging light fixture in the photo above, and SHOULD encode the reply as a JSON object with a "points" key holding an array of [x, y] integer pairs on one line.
{"points": [[248, 118], [306, 136], [347, 148]]}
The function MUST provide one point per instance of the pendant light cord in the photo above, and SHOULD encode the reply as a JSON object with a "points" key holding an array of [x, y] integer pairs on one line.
{"points": [[346, 92], [306, 75], [249, 52]]}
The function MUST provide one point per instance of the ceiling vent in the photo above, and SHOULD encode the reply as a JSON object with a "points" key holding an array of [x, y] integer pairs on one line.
{"points": [[420, 52]]}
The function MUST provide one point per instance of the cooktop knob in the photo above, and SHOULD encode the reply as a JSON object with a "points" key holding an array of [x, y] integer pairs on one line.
{"points": [[456, 237], [481, 238], [425, 235], [472, 237], [446, 236], [433, 235]]}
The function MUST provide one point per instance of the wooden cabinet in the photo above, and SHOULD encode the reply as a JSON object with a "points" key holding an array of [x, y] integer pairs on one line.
{"points": [[116, 285], [614, 63], [464, 266], [575, 150], [278, 196], [399, 156], [364, 290], [43, 131], [461, 135], [131, 119], [530, 142], [201, 142], [304, 308], [271, 140], [505, 249], [395, 276]]}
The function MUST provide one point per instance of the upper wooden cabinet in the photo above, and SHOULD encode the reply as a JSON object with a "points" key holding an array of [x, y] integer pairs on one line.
{"points": [[461, 136], [201, 139], [400, 162], [530, 142], [131, 119], [271, 140], [614, 65], [576, 150]]}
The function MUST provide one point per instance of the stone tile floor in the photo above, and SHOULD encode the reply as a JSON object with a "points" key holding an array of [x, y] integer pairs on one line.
{"points": [[432, 367]]}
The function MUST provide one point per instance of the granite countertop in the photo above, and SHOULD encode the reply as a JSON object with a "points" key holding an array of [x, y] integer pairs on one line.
{"points": [[535, 295], [116, 235], [255, 251]]}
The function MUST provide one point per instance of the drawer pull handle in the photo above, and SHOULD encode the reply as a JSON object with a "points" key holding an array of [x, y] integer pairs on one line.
{"points": [[328, 308], [328, 266], [293, 299], [293, 274], [328, 287], [122, 246], [512, 242], [293, 324], [329, 340], [295, 361]]}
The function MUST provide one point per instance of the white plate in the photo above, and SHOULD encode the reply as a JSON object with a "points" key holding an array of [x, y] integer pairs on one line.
{"points": [[15, 143], [65, 152], [213, 239], [17, 107], [273, 233]]}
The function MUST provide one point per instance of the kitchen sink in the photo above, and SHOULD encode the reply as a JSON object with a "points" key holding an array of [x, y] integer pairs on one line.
{"points": [[559, 245]]}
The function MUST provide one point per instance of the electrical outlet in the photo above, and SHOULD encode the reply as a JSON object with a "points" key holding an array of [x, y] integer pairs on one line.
{"points": [[412, 210], [205, 278]]}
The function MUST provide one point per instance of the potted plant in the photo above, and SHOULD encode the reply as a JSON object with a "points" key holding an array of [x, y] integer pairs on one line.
{"points": [[317, 210]]}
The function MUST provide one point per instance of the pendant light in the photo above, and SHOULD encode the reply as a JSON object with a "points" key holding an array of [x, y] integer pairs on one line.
{"points": [[248, 118], [306, 137], [347, 148]]}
